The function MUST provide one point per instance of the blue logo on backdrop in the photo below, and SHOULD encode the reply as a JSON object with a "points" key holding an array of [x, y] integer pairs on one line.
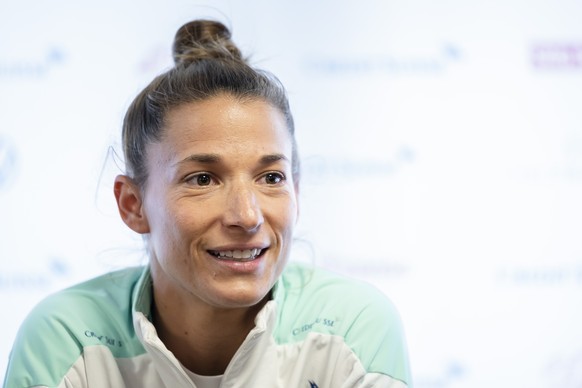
{"points": [[535, 276], [29, 68], [452, 373], [316, 168], [8, 162], [56, 268], [387, 63]]}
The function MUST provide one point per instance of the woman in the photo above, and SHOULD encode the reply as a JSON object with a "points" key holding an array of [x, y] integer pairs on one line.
{"points": [[212, 182]]}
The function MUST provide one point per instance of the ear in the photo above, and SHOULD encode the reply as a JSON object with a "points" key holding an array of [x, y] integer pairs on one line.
{"points": [[130, 204]]}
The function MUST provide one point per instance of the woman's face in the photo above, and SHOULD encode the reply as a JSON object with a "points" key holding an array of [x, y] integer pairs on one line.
{"points": [[220, 202]]}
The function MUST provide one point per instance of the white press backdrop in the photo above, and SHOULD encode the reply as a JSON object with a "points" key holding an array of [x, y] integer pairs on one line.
{"points": [[442, 160]]}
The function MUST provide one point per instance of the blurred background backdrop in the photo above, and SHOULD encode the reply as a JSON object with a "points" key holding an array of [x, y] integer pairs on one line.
{"points": [[442, 160]]}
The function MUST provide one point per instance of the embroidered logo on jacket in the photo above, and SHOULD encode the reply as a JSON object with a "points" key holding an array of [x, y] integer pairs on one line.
{"points": [[312, 384]]}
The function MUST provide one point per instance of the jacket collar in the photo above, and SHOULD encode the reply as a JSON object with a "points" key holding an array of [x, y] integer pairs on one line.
{"points": [[258, 351]]}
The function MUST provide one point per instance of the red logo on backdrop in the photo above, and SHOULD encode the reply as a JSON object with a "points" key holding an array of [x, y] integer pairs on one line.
{"points": [[557, 56]]}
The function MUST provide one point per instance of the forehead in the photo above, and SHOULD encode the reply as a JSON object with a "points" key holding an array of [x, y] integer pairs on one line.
{"points": [[225, 121]]}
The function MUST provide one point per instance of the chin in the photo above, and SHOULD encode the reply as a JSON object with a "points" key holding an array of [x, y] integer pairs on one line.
{"points": [[241, 298]]}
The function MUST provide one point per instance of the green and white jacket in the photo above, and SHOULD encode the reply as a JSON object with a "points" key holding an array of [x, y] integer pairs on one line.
{"points": [[319, 330]]}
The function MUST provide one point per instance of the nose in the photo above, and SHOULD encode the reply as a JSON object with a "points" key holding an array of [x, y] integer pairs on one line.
{"points": [[242, 209]]}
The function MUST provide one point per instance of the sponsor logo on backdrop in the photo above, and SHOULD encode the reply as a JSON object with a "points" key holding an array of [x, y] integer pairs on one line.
{"points": [[8, 162], [451, 375], [32, 68], [317, 167], [557, 56], [389, 63], [40, 278], [547, 275]]}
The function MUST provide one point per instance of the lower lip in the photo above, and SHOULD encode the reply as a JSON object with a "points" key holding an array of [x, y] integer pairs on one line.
{"points": [[241, 267]]}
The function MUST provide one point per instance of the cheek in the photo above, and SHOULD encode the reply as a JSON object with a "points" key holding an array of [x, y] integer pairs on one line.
{"points": [[287, 217], [168, 230]]}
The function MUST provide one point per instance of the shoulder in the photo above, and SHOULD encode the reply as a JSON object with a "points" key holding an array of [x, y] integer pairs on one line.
{"points": [[95, 312], [104, 299], [320, 301], [326, 288]]}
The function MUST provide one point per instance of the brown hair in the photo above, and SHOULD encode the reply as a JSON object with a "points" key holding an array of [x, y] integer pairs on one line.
{"points": [[207, 63]]}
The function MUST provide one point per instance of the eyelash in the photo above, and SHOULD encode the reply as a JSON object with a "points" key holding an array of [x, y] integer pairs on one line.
{"points": [[195, 178]]}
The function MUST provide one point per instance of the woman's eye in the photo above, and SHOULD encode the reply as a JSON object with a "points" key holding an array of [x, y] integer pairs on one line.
{"points": [[200, 179], [274, 178]]}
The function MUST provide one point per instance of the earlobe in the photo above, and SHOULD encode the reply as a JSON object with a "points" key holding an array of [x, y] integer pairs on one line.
{"points": [[129, 203]]}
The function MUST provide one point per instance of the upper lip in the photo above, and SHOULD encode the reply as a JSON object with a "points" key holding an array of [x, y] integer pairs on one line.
{"points": [[238, 247]]}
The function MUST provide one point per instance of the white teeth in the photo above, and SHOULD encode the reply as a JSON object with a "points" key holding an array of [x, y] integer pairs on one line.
{"points": [[247, 254]]}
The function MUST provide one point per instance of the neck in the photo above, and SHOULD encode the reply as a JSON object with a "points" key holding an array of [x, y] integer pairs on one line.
{"points": [[203, 338]]}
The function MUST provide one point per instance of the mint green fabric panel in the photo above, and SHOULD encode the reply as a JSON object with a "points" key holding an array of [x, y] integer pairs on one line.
{"points": [[53, 335], [316, 301], [104, 316], [301, 296], [377, 336], [44, 350]]}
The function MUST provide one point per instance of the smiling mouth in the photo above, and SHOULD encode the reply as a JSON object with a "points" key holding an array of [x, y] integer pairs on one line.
{"points": [[238, 255]]}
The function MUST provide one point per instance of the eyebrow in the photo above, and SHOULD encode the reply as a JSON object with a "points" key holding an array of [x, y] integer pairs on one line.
{"points": [[272, 158], [201, 158], [215, 158]]}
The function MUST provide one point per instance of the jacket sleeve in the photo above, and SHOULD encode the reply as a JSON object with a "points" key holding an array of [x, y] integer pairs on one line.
{"points": [[45, 348]]}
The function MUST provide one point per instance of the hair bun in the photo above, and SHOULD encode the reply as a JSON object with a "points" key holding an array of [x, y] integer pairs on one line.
{"points": [[203, 39]]}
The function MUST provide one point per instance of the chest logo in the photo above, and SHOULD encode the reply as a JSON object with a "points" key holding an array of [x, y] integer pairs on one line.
{"points": [[312, 384]]}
